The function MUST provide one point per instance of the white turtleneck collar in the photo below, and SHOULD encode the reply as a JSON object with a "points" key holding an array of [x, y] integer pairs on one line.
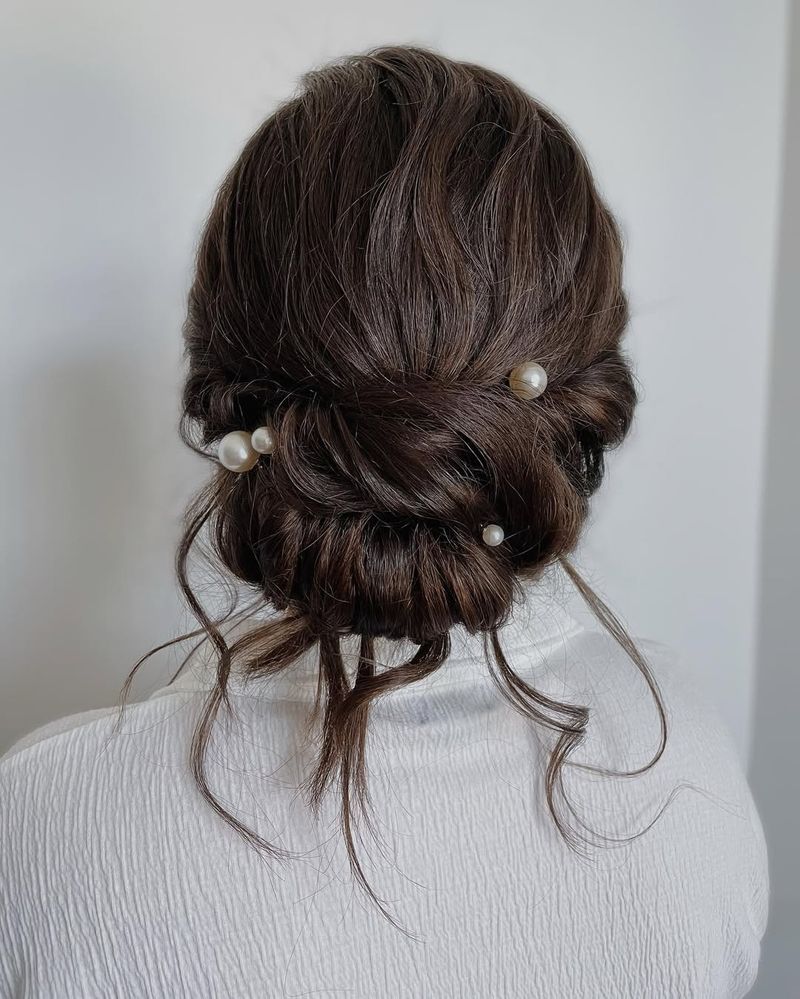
{"points": [[540, 622]]}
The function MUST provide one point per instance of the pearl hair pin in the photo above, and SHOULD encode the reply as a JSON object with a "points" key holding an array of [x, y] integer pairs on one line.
{"points": [[263, 440], [528, 381], [239, 450], [493, 535]]}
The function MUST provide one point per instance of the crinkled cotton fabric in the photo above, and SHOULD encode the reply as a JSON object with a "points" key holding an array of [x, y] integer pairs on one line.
{"points": [[118, 880]]}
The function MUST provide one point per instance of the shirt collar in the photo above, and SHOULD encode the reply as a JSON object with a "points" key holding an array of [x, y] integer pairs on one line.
{"points": [[540, 622]]}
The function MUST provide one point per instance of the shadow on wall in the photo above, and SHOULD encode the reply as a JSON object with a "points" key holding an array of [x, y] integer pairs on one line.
{"points": [[776, 742], [89, 558]]}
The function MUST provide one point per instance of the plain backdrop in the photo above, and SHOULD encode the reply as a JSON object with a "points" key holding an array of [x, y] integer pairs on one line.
{"points": [[119, 119], [776, 733]]}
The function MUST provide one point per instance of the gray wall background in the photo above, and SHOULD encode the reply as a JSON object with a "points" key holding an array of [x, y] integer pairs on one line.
{"points": [[776, 739]]}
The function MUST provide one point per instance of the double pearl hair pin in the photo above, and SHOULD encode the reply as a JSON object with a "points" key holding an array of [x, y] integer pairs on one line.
{"points": [[239, 450]]}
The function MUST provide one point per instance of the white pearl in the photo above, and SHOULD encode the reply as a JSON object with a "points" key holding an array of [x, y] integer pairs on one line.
{"points": [[493, 535], [263, 440], [236, 451], [528, 380]]}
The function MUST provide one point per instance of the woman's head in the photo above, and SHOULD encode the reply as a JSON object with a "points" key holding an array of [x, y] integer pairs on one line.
{"points": [[388, 246]]}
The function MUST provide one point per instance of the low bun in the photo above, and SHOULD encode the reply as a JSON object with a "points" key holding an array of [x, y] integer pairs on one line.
{"points": [[393, 486]]}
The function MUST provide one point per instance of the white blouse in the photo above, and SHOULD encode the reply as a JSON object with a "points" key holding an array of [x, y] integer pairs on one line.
{"points": [[117, 880]]}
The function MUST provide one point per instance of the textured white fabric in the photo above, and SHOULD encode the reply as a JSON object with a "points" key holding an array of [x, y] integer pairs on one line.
{"points": [[117, 880]]}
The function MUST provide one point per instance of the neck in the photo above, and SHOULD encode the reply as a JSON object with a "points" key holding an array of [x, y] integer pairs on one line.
{"points": [[539, 620]]}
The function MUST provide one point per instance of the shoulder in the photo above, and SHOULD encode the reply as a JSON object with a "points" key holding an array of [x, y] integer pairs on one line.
{"points": [[61, 727], [706, 841], [625, 702], [60, 783], [70, 766], [625, 724], [63, 739]]}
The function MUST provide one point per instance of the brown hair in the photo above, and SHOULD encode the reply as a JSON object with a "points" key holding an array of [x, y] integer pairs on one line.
{"points": [[388, 246]]}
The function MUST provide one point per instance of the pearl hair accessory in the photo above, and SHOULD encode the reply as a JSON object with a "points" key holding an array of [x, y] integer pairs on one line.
{"points": [[239, 450], [528, 381], [263, 440], [493, 535]]}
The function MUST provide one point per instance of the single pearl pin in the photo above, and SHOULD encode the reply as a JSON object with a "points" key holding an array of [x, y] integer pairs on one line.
{"points": [[263, 440], [528, 381], [236, 451], [493, 535]]}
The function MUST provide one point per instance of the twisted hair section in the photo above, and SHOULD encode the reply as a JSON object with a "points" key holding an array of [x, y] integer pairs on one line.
{"points": [[389, 245]]}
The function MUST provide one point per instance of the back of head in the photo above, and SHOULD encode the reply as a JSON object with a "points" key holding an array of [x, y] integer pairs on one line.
{"points": [[388, 246]]}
